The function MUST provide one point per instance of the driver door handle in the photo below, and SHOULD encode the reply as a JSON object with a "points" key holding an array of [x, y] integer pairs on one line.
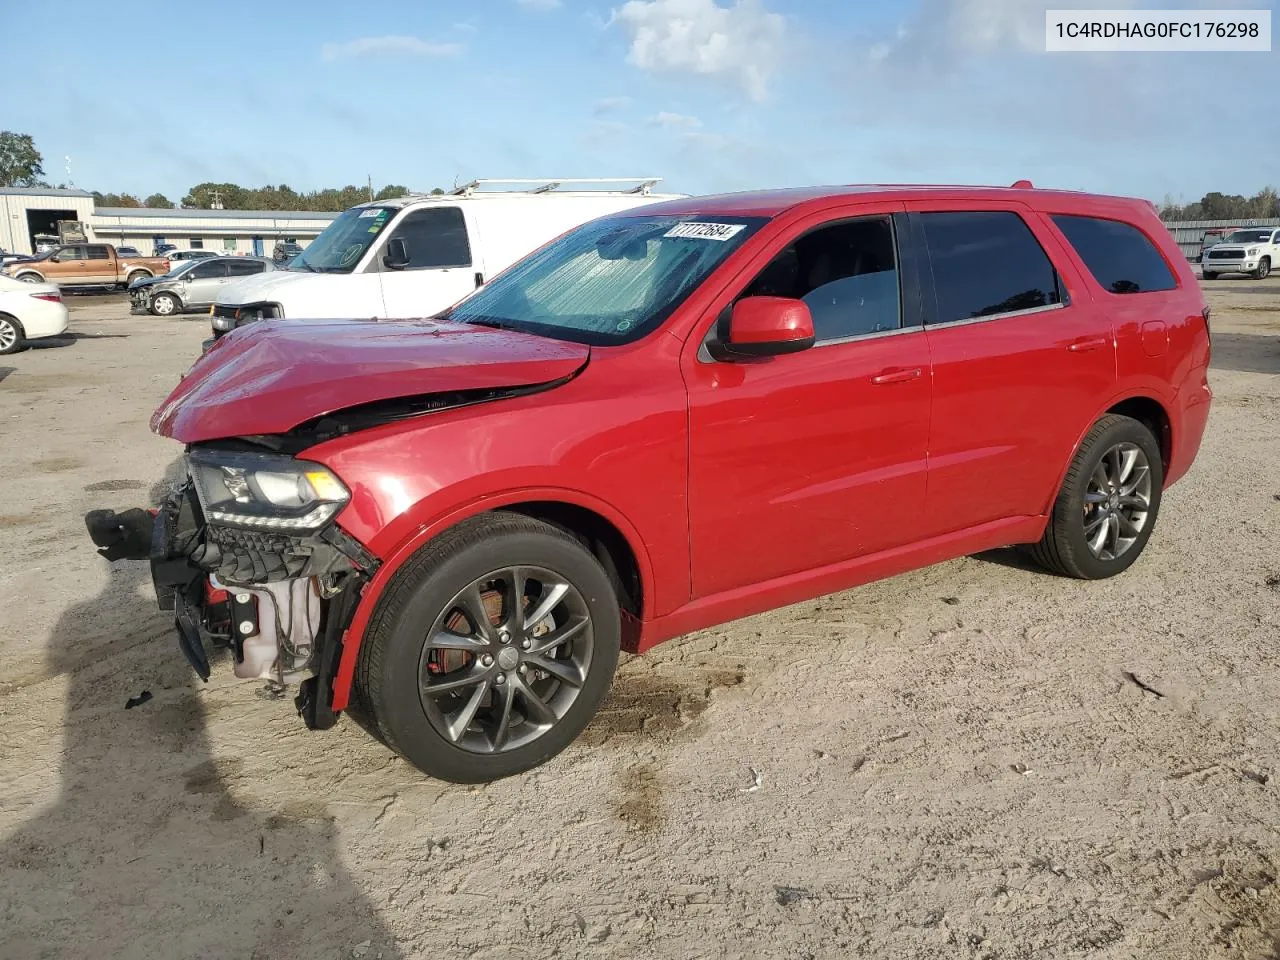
{"points": [[893, 375], [1087, 343]]}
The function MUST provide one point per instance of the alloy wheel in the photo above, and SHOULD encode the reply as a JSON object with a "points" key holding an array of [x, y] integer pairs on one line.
{"points": [[506, 659], [1117, 501], [8, 334]]}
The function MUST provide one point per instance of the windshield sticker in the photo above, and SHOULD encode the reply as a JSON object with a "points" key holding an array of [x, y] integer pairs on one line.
{"points": [[369, 212], [693, 230]]}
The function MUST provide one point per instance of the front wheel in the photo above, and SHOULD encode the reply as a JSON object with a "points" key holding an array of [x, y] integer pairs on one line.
{"points": [[165, 305], [1263, 269], [1208, 276], [491, 649], [1108, 502], [134, 277], [13, 338]]}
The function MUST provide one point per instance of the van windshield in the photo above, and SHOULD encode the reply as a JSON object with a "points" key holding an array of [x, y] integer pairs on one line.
{"points": [[341, 244], [609, 281]]}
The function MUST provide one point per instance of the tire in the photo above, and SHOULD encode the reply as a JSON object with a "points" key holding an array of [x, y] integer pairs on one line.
{"points": [[1205, 274], [30, 278], [1065, 547], [13, 339], [136, 275], [423, 601], [170, 303], [1263, 269]]}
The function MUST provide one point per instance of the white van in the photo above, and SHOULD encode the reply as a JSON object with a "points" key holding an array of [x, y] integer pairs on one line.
{"points": [[415, 256]]}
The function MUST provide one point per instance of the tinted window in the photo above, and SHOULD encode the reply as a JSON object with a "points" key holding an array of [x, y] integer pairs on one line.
{"points": [[99, 253], [245, 268], [1119, 256], [71, 253], [985, 263], [207, 270], [846, 273], [435, 238]]}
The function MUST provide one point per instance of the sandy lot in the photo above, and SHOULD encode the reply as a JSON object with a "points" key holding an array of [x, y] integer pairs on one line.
{"points": [[975, 760]]}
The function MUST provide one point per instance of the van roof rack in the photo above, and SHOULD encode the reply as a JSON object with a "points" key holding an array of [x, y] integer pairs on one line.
{"points": [[640, 185]]}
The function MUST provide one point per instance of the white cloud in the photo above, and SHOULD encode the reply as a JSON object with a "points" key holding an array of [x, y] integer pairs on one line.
{"points": [[741, 44], [540, 6], [607, 105], [465, 26], [366, 46], [674, 121]]}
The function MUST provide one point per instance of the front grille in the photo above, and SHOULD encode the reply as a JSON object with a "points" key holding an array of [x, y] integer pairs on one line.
{"points": [[1226, 254], [222, 310]]}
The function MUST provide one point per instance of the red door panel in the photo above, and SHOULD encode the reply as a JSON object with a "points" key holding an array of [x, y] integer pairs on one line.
{"points": [[1010, 396]]}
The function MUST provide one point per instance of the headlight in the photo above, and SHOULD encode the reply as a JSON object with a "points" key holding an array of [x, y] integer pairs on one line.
{"points": [[1251, 252], [223, 324], [265, 491]]}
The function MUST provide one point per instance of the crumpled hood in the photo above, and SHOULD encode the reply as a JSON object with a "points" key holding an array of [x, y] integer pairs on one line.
{"points": [[273, 375]]}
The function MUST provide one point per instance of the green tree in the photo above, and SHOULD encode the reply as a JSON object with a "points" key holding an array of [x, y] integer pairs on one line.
{"points": [[115, 200], [20, 161], [391, 191], [158, 201]]}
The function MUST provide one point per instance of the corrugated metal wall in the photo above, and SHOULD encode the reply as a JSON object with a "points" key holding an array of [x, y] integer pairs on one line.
{"points": [[1188, 233], [14, 233]]}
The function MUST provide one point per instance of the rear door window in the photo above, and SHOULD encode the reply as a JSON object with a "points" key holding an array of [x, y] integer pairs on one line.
{"points": [[987, 263], [1120, 256], [435, 237], [244, 268], [99, 253]]}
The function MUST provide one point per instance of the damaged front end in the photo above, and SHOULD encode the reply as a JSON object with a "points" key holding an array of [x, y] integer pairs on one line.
{"points": [[245, 554]]}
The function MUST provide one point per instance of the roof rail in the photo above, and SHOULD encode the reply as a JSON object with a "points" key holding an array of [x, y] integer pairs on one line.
{"points": [[640, 185]]}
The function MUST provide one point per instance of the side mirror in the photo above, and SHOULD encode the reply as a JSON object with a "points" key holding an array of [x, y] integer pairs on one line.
{"points": [[397, 255], [55, 259], [765, 327]]}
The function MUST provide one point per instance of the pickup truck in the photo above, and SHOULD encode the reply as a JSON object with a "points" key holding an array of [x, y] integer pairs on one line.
{"points": [[1251, 250], [86, 265]]}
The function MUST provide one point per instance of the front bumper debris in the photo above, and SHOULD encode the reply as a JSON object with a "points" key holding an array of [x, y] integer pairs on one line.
{"points": [[280, 604]]}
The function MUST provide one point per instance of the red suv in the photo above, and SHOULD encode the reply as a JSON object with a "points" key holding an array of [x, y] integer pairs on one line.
{"points": [[663, 420]]}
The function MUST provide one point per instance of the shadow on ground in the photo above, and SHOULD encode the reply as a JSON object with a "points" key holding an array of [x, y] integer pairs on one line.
{"points": [[147, 851], [1246, 352]]}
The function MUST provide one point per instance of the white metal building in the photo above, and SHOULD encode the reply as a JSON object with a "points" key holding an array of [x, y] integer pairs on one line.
{"points": [[26, 212]]}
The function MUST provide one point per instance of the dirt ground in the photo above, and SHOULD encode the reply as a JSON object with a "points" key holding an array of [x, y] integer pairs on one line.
{"points": [[974, 760]]}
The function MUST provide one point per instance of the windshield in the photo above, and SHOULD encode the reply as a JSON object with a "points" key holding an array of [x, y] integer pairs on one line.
{"points": [[1249, 236], [181, 266], [609, 281], [341, 244]]}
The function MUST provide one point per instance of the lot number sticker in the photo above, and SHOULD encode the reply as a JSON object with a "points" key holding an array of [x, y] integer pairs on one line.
{"points": [[694, 230]]}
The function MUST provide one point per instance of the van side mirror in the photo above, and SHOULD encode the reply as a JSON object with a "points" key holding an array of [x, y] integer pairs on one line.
{"points": [[397, 255], [764, 327]]}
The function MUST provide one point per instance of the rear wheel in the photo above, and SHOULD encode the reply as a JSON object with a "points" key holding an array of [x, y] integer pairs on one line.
{"points": [[30, 278], [1263, 270], [1208, 275], [13, 339], [1108, 503], [491, 649], [165, 304]]}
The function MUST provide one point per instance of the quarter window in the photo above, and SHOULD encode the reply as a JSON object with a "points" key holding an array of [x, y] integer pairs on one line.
{"points": [[435, 238], [1120, 256], [986, 263], [846, 273]]}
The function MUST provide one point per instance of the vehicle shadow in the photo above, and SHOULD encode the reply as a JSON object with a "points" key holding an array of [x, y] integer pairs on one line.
{"points": [[148, 852], [1246, 352], [1010, 557]]}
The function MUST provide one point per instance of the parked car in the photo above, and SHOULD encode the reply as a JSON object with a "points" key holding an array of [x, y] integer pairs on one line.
{"points": [[284, 252], [128, 251], [192, 284], [182, 256], [1212, 236], [414, 256], [29, 311], [1251, 250], [8, 258], [86, 265], [665, 419], [163, 249]]}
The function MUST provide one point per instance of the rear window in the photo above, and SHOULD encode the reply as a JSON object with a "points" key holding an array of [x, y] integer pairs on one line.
{"points": [[1121, 257], [986, 263]]}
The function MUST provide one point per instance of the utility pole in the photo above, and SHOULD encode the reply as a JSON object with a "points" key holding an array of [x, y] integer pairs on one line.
{"points": [[215, 202], [370, 187]]}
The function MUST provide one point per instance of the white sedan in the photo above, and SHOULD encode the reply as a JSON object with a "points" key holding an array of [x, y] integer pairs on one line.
{"points": [[29, 311]]}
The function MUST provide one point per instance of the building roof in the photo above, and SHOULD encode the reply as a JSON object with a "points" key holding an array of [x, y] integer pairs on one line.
{"points": [[196, 213], [42, 192]]}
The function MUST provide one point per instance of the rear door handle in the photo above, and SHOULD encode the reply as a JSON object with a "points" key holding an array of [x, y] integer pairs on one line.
{"points": [[896, 376], [1089, 343]]}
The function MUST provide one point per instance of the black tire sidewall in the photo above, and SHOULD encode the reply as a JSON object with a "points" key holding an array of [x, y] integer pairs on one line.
{"points": [[397, 702], [21, 343], [1070, 510]]}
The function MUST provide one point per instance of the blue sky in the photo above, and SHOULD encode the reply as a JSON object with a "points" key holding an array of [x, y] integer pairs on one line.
{"points": [[710, 94]]}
